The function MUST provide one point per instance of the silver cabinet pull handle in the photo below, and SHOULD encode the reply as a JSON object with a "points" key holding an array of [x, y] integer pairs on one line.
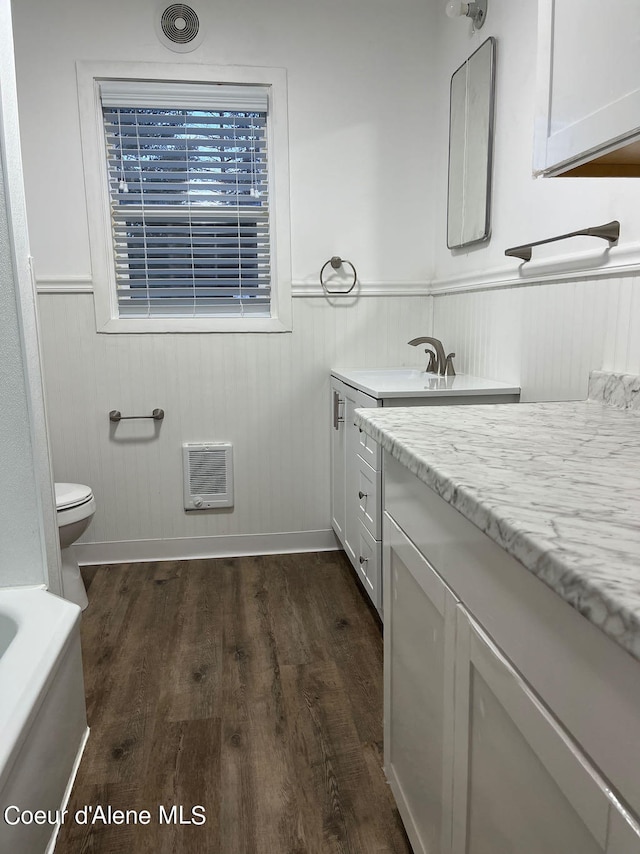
{"points": [[337, 403], [115, 415], [362, 494]]}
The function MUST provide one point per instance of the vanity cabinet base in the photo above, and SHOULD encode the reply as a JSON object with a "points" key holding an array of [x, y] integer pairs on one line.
{"points": [[356, 466], [534, 712]]}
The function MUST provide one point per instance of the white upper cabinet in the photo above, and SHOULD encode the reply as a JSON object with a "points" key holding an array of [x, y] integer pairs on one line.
{"points": [[588, 87]]}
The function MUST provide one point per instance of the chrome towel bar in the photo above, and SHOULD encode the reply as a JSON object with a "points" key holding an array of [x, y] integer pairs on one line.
{"points": [[609, 231], [116, 415]]}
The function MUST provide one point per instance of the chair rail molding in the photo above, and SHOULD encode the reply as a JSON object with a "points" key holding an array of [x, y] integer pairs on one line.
{"points": [[83, 284], [591, 264], [311, 288]]}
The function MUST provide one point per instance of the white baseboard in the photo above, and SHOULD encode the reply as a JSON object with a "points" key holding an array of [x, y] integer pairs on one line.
{"points": [[193, 548]]}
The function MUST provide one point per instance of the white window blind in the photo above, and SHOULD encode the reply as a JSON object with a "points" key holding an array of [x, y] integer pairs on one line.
{"points": [[189, 195]]}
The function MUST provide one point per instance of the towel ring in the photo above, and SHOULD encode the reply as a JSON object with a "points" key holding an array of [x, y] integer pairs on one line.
{"points": [[336, 262]]}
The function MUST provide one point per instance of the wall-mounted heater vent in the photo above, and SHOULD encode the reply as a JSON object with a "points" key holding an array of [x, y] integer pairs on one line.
{"points": [[208, 475], [178, 27]]}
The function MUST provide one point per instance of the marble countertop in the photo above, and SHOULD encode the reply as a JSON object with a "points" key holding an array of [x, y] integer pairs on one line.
{"points": [[413, 382], [557, 485]]}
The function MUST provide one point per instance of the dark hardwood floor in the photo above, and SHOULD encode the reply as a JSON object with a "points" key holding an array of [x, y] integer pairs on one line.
{"points": [[249, 686]]}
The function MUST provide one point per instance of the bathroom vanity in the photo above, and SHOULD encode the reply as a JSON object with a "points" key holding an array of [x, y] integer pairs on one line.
{"points": [[356, 503], [512, 623]]}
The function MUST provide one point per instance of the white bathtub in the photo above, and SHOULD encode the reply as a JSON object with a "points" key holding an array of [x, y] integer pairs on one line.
{"points": [[43, 724]]}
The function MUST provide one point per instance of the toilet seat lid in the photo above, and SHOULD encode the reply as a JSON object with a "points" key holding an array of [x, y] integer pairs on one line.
{"points": [[71, 495]]}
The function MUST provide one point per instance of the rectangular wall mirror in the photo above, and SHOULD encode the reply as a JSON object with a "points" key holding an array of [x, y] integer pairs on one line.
{"points": [[470, 148]]}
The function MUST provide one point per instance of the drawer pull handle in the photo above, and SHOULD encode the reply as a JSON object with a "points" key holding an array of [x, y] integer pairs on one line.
{"points": [[337, 403], [363, 560], [362, 494]]}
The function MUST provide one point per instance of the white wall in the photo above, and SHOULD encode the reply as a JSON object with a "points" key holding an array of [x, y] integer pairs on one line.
{"points": [[28, 533], [355, 68], [546, 337], [268, 394], [556, 319]]}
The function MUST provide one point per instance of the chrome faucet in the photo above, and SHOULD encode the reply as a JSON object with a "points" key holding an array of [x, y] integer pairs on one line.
{"points": [[438, 362]]}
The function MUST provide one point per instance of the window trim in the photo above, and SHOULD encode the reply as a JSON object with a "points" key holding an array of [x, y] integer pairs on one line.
{"points": [[98, 204]]}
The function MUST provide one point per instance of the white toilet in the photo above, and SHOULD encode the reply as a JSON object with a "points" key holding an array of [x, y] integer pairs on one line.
{"points": [[75, 506]]}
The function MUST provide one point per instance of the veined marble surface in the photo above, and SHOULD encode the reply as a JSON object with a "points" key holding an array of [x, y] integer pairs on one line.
{"points": [[557, 485], [621, 390]]}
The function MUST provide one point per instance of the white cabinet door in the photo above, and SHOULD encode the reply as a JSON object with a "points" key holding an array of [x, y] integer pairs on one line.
{"points": [[337, 428], [419, 639], [588, 80], [520, 783]]}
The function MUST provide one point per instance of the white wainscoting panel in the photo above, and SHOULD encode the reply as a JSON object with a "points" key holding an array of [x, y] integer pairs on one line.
{"points": [[546, 337], [268, 394]]}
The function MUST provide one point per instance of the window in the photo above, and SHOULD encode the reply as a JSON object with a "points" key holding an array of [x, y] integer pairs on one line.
{"points": [[189, 189]]}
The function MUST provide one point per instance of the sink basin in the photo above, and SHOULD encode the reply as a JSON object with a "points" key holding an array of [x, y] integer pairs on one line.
{"points": [[412, 382], [394, 375]]}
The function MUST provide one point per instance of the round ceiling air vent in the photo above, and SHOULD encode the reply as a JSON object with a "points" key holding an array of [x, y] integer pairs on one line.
{"points": [[179, 27]]}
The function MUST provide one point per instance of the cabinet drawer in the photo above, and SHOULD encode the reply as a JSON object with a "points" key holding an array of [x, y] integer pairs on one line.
{"points": [[369, 504], [369, 565], [369, 450], [366, 447]]}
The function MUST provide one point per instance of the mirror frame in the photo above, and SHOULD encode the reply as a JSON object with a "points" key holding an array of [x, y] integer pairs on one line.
{"points": [[481, 206]]}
